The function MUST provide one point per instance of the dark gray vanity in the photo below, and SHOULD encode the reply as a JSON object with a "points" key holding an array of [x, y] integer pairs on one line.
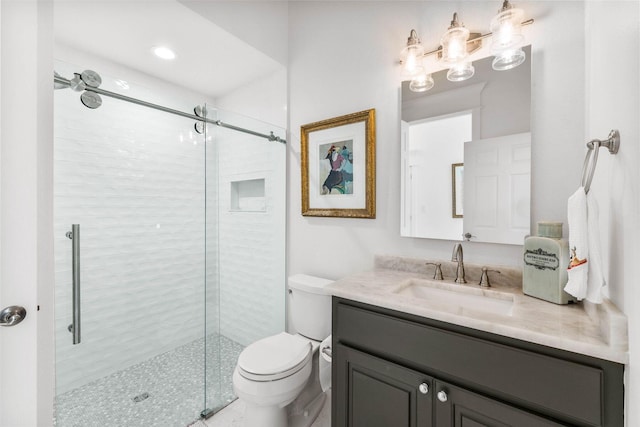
{"points": [[402, 359], [392, 369]]}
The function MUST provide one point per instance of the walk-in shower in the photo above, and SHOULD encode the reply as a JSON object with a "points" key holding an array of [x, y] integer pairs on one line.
{"points": [[169, 250]]}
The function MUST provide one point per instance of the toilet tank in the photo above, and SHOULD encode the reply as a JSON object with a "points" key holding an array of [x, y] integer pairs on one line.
{"points": [[310, 306]]}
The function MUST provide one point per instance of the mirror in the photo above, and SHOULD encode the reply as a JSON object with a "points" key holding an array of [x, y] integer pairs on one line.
{"points": [[466, 156]]}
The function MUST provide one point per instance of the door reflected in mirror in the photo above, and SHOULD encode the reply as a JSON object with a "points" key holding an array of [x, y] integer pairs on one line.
{"points": [[466, 156]]}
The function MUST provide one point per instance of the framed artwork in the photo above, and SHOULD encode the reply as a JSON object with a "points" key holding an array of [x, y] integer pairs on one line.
{"points": [[338, 166], [457, 188]]}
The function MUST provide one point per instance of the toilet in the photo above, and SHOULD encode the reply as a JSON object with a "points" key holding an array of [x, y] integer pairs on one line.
{"points": [[273, 371]]}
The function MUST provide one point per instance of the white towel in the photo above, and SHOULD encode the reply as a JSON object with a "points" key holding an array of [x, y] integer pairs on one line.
{"points": [[595, 277], [586, 279], [578, 243]]}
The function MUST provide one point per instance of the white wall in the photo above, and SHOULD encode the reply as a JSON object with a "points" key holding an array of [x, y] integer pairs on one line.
{"points": [[342, 59], [613, 102], [261, 24], [264, 100]]}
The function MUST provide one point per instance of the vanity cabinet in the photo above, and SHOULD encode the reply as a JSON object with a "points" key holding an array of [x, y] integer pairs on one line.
{"points": [[392, 369], [384, 394]]}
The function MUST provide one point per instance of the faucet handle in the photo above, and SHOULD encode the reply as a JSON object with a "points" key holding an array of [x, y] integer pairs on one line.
{"points": [[437, 274], [484, 277]]}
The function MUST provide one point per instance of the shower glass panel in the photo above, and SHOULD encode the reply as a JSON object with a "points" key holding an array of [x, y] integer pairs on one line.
{"points": [[249, 191], [167, 249]]}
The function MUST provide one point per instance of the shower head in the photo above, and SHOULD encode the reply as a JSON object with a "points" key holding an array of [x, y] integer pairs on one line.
{"points": [[91, 100], [199, 127], [84, 83], [91, 78], [200, 111]]}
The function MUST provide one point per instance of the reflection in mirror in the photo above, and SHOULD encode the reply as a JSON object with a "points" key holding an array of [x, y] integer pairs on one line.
{"points": [[466, 157]]}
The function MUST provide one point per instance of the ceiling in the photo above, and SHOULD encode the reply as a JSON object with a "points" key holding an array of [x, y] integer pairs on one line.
{"points": [[209, 60]]}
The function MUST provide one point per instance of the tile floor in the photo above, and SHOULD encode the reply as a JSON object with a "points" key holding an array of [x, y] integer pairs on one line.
{"points": [[233, 415], [173, 383], [169, 387]]}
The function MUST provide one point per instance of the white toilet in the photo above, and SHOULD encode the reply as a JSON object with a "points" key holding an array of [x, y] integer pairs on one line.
{"points": [[272, 372]]}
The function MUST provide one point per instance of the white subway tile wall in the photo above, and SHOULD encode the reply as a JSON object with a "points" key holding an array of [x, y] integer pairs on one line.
{"points": [[252, 282], [154, 249], [133, 178]]}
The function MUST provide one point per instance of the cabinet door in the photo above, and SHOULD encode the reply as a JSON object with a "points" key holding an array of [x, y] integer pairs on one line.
{"points": [[458, 407], [371, 392]]}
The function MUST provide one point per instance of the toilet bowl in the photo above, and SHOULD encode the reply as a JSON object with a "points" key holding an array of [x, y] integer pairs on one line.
{"points": [[270, 374], [273, 371]]}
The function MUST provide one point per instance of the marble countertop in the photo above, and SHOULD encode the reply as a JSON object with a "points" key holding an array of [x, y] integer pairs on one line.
{"points": [[594, 330]]}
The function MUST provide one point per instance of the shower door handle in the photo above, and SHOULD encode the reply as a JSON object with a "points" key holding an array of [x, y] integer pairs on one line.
{"points": [[74, 327]]}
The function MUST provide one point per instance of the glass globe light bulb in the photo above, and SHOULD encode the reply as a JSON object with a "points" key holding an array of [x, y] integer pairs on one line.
{"points": [[461, 71], [508, 59], [421, 83], [506, 27], [454, 42], [412, 56]]}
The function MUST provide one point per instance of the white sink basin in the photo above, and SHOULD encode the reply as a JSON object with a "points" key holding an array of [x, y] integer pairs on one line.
{"points": [[457, 298]]}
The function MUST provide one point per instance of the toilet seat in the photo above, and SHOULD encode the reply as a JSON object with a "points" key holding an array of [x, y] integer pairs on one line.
{"points": [[274, 357]]}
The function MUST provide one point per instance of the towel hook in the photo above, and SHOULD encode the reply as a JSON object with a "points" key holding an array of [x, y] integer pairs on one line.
{"points": [[589, 166]]}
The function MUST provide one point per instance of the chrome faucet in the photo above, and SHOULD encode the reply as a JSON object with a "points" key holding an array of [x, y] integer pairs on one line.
{"points": [[457, 257]]}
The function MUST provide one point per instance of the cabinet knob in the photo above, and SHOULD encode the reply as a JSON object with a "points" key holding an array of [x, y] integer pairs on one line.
{"points": [[424, 388], [442, 396]]}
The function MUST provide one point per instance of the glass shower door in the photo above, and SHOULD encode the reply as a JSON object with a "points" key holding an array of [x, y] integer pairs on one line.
{"points": [[246, 200], [133, 178]]}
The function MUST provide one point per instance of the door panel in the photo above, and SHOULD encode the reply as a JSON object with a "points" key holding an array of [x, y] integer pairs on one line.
{"points": [[26, 271], [371, 392], [497, 181]]}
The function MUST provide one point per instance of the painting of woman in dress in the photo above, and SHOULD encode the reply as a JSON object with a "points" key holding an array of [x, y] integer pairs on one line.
{"points": [[336, 163]]}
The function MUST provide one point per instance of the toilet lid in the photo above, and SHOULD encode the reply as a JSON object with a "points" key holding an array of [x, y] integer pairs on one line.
{"points": [[274, 357]]}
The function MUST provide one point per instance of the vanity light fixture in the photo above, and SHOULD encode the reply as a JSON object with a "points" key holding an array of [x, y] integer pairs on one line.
{"points": [[458, 43]]}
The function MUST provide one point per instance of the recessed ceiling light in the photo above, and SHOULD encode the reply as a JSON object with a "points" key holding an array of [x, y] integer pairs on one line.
{"points": [[163, 52]]}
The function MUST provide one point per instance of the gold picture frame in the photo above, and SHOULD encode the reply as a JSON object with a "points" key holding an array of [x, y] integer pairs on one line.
{"points": [[338, 166], [457, 181]]}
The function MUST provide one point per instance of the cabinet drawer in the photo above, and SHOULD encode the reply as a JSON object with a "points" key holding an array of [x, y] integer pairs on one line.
{"points": [[566, 390]]}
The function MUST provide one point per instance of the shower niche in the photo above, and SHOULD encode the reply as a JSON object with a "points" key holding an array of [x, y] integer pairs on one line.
{"points": [[248, 195]]}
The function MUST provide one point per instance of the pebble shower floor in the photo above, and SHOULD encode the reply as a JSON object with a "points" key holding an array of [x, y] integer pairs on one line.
{"points": [[164, 391]]}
